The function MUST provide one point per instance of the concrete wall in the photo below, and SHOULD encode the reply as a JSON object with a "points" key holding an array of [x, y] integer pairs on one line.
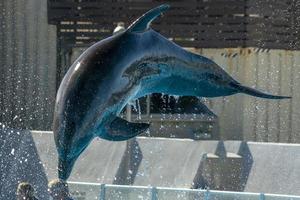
{"points": [[232, 165], [27, 64]]}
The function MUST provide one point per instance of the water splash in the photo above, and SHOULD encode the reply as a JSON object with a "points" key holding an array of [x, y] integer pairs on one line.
{"points": [[138, 105]]}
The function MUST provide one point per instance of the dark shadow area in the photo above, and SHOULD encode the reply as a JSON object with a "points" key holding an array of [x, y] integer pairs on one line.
{"points": [[168, 104], [130, 163], [20, 162], [199, 181], [224, 170], [245, 152], [220, 150], [203, 179]]}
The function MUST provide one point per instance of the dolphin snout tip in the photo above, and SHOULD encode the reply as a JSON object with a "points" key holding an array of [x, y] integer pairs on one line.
{"points": [[64, 169]]}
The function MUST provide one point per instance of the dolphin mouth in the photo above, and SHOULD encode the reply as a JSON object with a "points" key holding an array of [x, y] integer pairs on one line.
{"points": [[65, 168]]}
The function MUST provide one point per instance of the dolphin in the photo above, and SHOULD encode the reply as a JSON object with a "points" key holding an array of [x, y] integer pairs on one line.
{"points": [[123, 67]]}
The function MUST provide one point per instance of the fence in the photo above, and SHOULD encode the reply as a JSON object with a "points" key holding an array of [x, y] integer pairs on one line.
{"points": [[193, 23], [122, 192]]}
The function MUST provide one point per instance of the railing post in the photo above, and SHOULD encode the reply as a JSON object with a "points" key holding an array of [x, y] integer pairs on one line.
{"points": [[261, 196], [153, 192], [206, 195], [102, 192]]}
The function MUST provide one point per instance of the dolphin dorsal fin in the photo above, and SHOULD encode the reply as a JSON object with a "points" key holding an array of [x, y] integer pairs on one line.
{"points": [[143, 23]]}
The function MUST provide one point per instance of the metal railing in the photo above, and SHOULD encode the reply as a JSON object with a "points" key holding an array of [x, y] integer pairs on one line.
{"points": [[82, 191]]}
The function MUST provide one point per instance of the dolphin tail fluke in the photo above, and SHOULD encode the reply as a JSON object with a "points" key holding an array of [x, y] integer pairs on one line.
{"points": [[143, 23], [253, 92], [120, 130], [63, 173]]}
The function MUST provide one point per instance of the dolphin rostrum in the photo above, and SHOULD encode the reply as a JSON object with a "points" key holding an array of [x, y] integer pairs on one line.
{"points": [[126, 66]]}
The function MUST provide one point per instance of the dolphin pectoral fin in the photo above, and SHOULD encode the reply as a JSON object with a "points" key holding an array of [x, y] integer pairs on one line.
{"points": [[121, 129], [253, 92], [143, 23]]}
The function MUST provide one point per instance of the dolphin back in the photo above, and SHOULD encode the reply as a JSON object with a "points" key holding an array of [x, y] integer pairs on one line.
{"points": [[253, 92]]}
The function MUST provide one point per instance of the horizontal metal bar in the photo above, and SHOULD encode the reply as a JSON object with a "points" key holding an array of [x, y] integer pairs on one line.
{"points": [[207, 193]]}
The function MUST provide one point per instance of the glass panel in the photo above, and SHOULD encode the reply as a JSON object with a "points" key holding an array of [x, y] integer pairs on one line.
{"points": [[280, 197], [84, 191], [166, 194], [213, 195], [113, 192], [127, 193]]}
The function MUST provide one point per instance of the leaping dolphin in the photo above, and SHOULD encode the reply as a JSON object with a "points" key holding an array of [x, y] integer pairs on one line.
{"points": [[126, 66]]}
